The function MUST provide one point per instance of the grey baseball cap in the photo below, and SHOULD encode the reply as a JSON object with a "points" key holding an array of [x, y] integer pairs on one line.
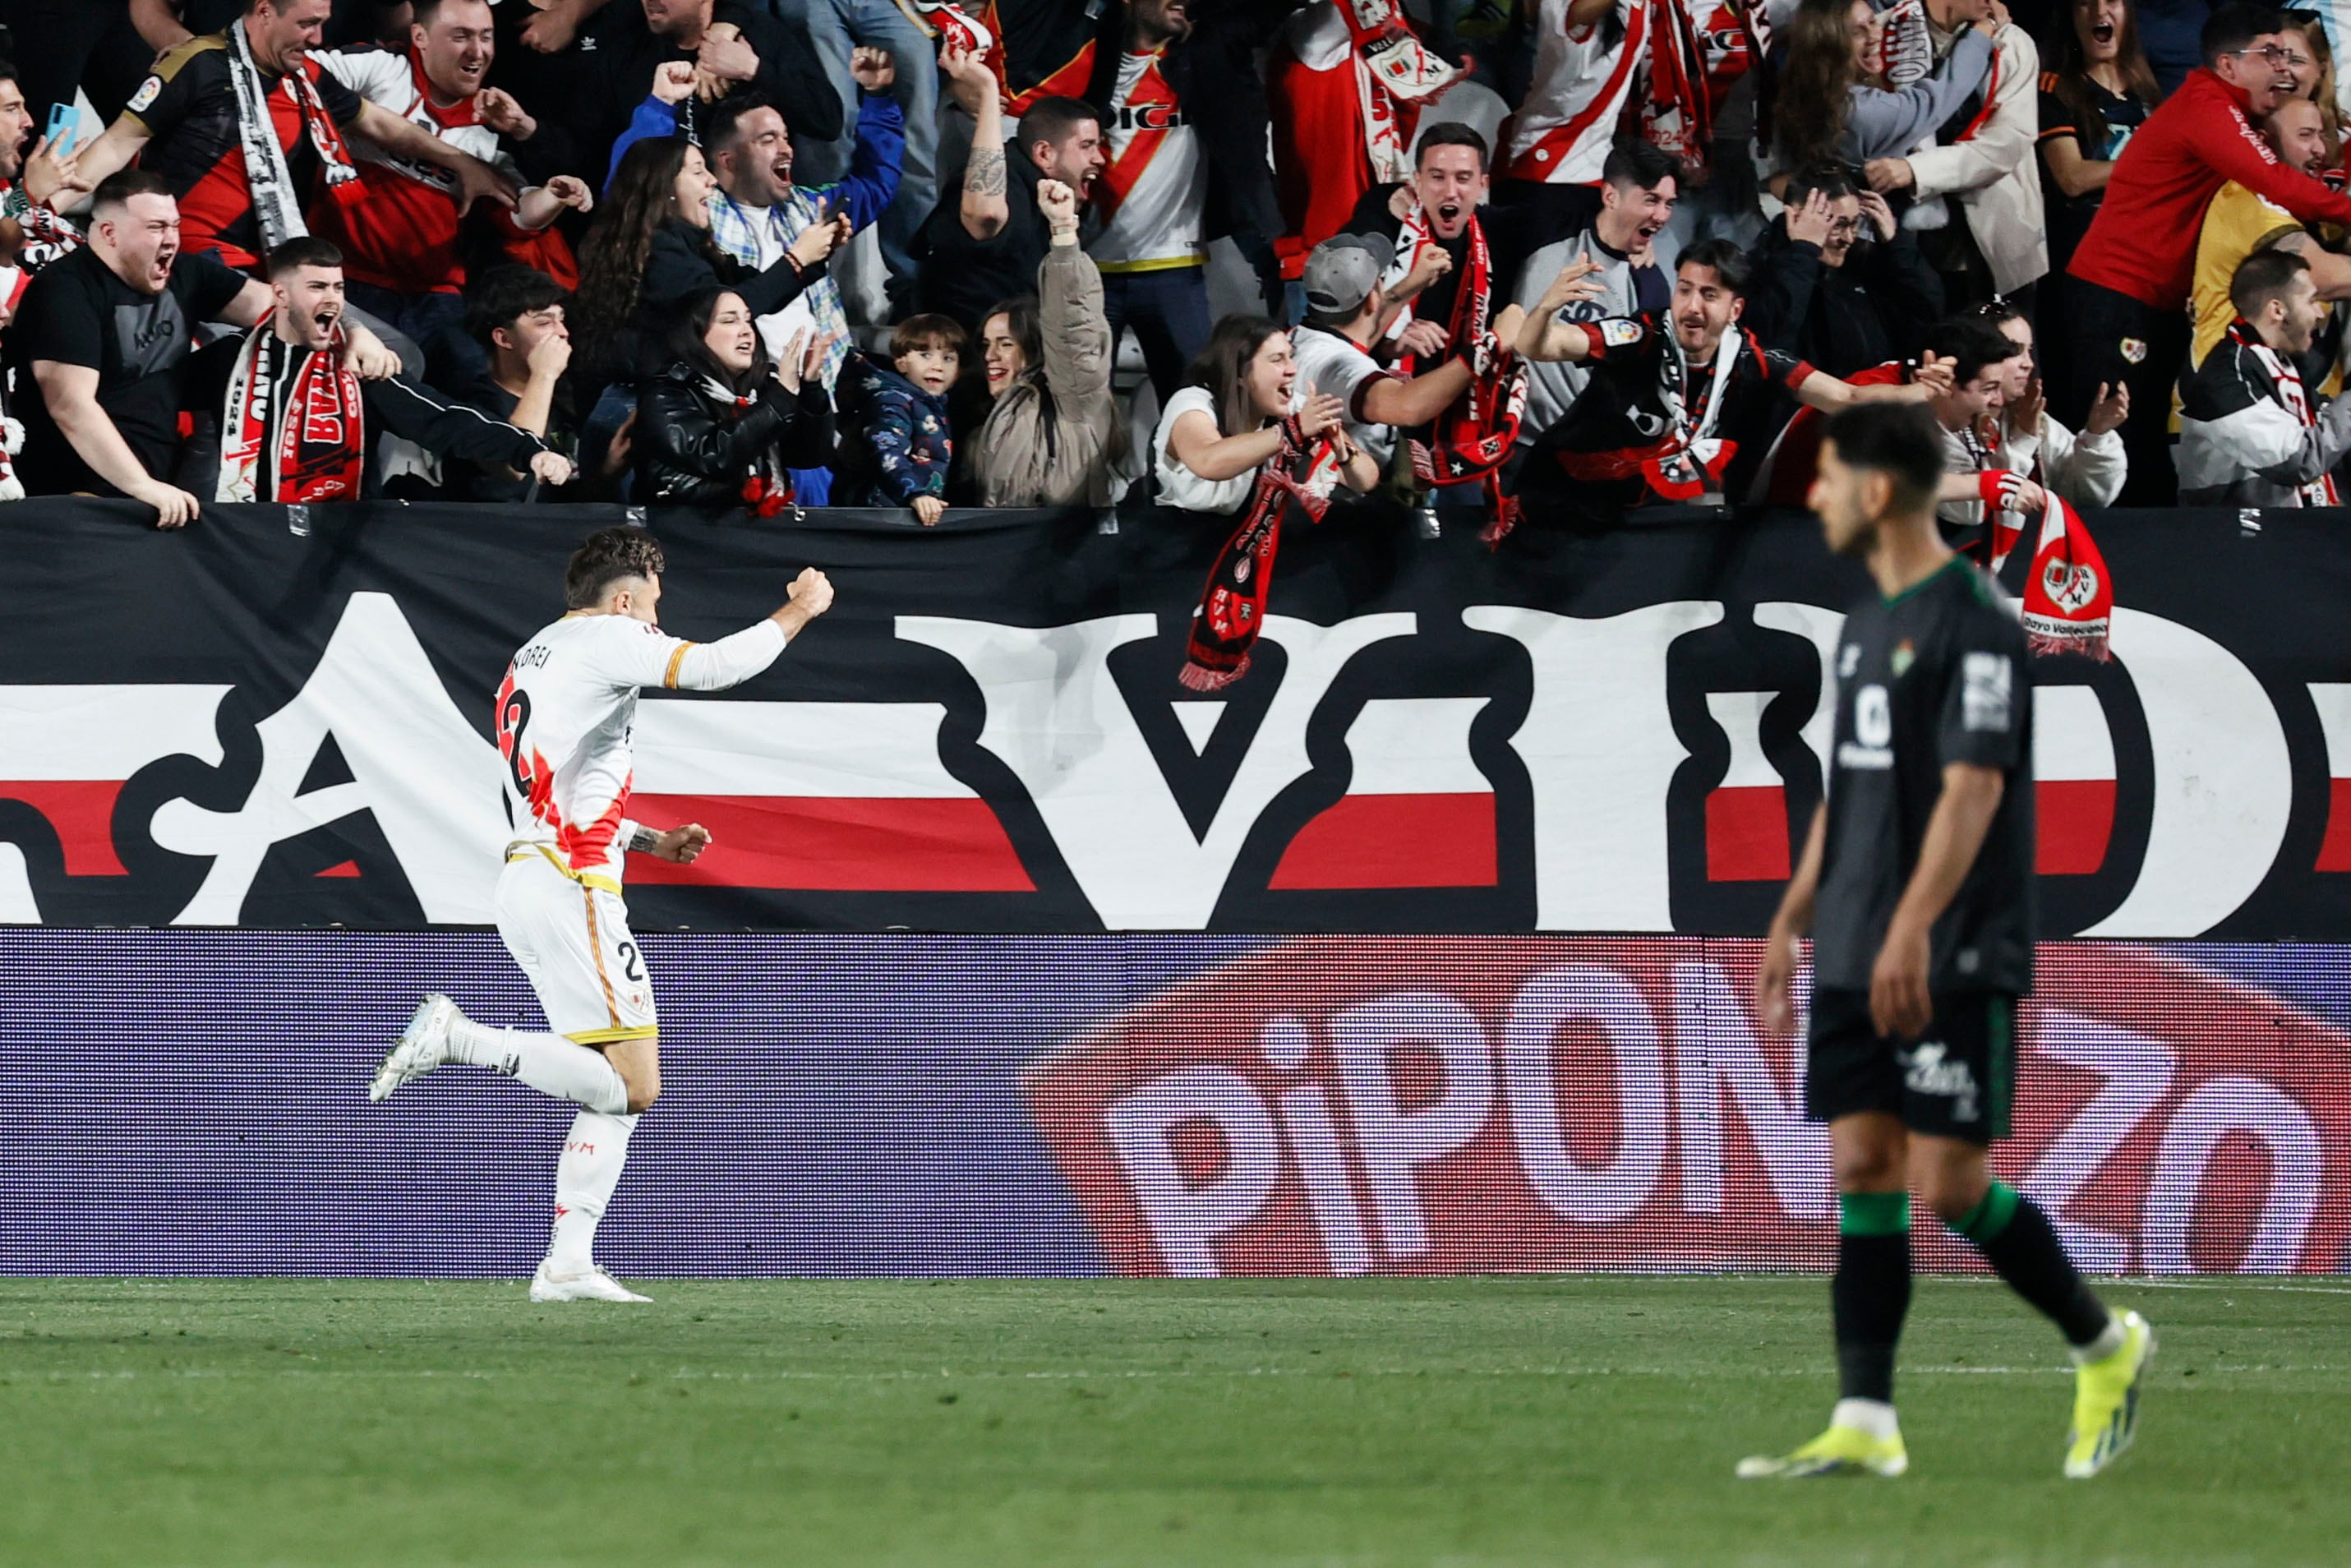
{"points": [[1343, 272]]}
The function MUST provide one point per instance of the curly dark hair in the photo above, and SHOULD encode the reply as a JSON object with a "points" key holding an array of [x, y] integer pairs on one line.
{"points": [[603, 559], [613, 257]]}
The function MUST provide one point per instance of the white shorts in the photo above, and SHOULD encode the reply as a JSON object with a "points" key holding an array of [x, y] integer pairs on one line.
{"points": [[574, 942]]}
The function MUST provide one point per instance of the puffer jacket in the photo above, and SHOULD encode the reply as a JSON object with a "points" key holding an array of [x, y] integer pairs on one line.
{"points": [[895, 441], [1024, 457], [694, 448]]}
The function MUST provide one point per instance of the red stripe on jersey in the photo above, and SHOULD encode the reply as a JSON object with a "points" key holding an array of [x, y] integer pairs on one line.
{"points": [[1119, 177], [1070, 81], [1561, 140]]}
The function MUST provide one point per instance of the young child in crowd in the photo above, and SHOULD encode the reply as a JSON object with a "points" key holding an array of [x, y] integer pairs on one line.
{"points": [[896, 445]]}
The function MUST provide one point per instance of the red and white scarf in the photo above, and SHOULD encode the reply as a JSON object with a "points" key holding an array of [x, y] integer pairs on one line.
{"points": [[767, 490], [1396, 75], [277, 204], [1688, 459], [1691, 67], [1472, 438], [2069, 599], [1232, 606], [306, 442], [952, 26]]}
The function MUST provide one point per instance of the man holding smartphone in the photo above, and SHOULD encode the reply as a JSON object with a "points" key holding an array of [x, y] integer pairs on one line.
{"points": [[34, 173]]}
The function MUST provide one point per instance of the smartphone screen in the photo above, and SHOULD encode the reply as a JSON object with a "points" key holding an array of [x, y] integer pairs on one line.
{"points": [[64, 123]]}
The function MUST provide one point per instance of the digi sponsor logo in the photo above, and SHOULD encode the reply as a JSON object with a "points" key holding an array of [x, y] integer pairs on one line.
{"points": [[1351, 1105]]}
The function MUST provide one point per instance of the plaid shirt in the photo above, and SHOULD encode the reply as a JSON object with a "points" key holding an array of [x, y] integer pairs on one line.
{"points": [[733, 228]]}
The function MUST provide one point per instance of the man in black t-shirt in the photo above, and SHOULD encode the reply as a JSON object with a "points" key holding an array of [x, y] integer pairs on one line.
{"points": [[983, 243], [1917, 882], [105, 334], [1682, 404]]}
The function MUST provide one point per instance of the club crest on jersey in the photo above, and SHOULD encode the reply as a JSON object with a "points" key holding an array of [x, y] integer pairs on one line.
{"points": [[1906, 654], [2134, 350]]}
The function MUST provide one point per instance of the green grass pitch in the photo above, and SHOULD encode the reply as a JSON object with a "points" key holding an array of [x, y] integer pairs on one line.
{"points": [[1436, 1421]]}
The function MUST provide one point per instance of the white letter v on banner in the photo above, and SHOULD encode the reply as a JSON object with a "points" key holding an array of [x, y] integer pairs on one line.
{"points": [[1056, 718]]}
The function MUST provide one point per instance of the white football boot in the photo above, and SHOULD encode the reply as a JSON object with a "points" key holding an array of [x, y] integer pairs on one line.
{"points": [[423, 1046], [594, 1285]]}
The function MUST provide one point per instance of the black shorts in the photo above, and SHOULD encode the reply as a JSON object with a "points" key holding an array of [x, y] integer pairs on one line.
{"points": [[1958, 1081]]}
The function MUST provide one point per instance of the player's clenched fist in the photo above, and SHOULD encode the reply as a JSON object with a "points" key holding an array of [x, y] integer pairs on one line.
{"points": [[682, 844], [811, 596], [813, 591]]}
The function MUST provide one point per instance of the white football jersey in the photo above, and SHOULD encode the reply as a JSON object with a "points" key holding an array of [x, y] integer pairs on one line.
{"points": [[1562, 133], [1154, 193], [565, 710]]}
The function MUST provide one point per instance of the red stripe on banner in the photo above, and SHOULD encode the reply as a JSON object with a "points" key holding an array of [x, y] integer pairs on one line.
{"points": [[2335, 853], [2076, 818], [1746, 834], [1392, 841], [840, 844], [82, 812]]}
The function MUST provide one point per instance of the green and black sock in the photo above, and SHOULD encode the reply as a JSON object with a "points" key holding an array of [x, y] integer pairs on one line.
{"points": [[1871, 1292], [2017, 1239]]}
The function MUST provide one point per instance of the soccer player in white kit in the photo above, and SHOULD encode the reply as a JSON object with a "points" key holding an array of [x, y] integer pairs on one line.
{"points": [[564, 714]]}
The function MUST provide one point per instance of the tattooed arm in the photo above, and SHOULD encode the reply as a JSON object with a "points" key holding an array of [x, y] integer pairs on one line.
{"points": [[985, 209]]}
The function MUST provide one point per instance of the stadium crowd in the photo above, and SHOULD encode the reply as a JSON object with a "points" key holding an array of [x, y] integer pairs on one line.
{"points": [[1556, 260]]}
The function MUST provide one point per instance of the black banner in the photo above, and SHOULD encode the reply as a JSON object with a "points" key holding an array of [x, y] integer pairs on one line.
{"points": [[1621, 732]]}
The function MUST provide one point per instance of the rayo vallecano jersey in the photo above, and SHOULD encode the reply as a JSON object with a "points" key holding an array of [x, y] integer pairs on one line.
{"points": [[1562, 132], [564, 714]]}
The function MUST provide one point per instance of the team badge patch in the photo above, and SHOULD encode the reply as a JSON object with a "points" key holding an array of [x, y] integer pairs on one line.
{"points": [[148, 90], [1905, 655], [2071, 584], [2134, 350], [1618, 331]]}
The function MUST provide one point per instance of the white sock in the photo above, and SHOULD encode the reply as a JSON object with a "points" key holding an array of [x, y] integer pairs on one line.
{"points": [[2106, 1344], [1874, 1417], [593, 1152], [548, 1062]]}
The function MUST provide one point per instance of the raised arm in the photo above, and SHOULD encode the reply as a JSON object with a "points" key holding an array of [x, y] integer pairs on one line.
{"points": [[984, 208], [1931, 380], [116, 148], [1542, 336], [1070, 311]]}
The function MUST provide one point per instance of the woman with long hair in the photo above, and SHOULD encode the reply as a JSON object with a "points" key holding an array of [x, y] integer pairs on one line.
{"points": [[1830, 103], [1052, 431], [722, 425], [650, 248], [1229, 420], [2099, 89]]}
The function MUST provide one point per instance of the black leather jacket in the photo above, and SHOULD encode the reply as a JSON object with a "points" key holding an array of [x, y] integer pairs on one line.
{"points": [[694, 450]]}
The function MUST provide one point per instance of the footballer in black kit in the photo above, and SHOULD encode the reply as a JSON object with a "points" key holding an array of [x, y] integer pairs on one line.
{"points": [[1936, 674], [1916, 884]]}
